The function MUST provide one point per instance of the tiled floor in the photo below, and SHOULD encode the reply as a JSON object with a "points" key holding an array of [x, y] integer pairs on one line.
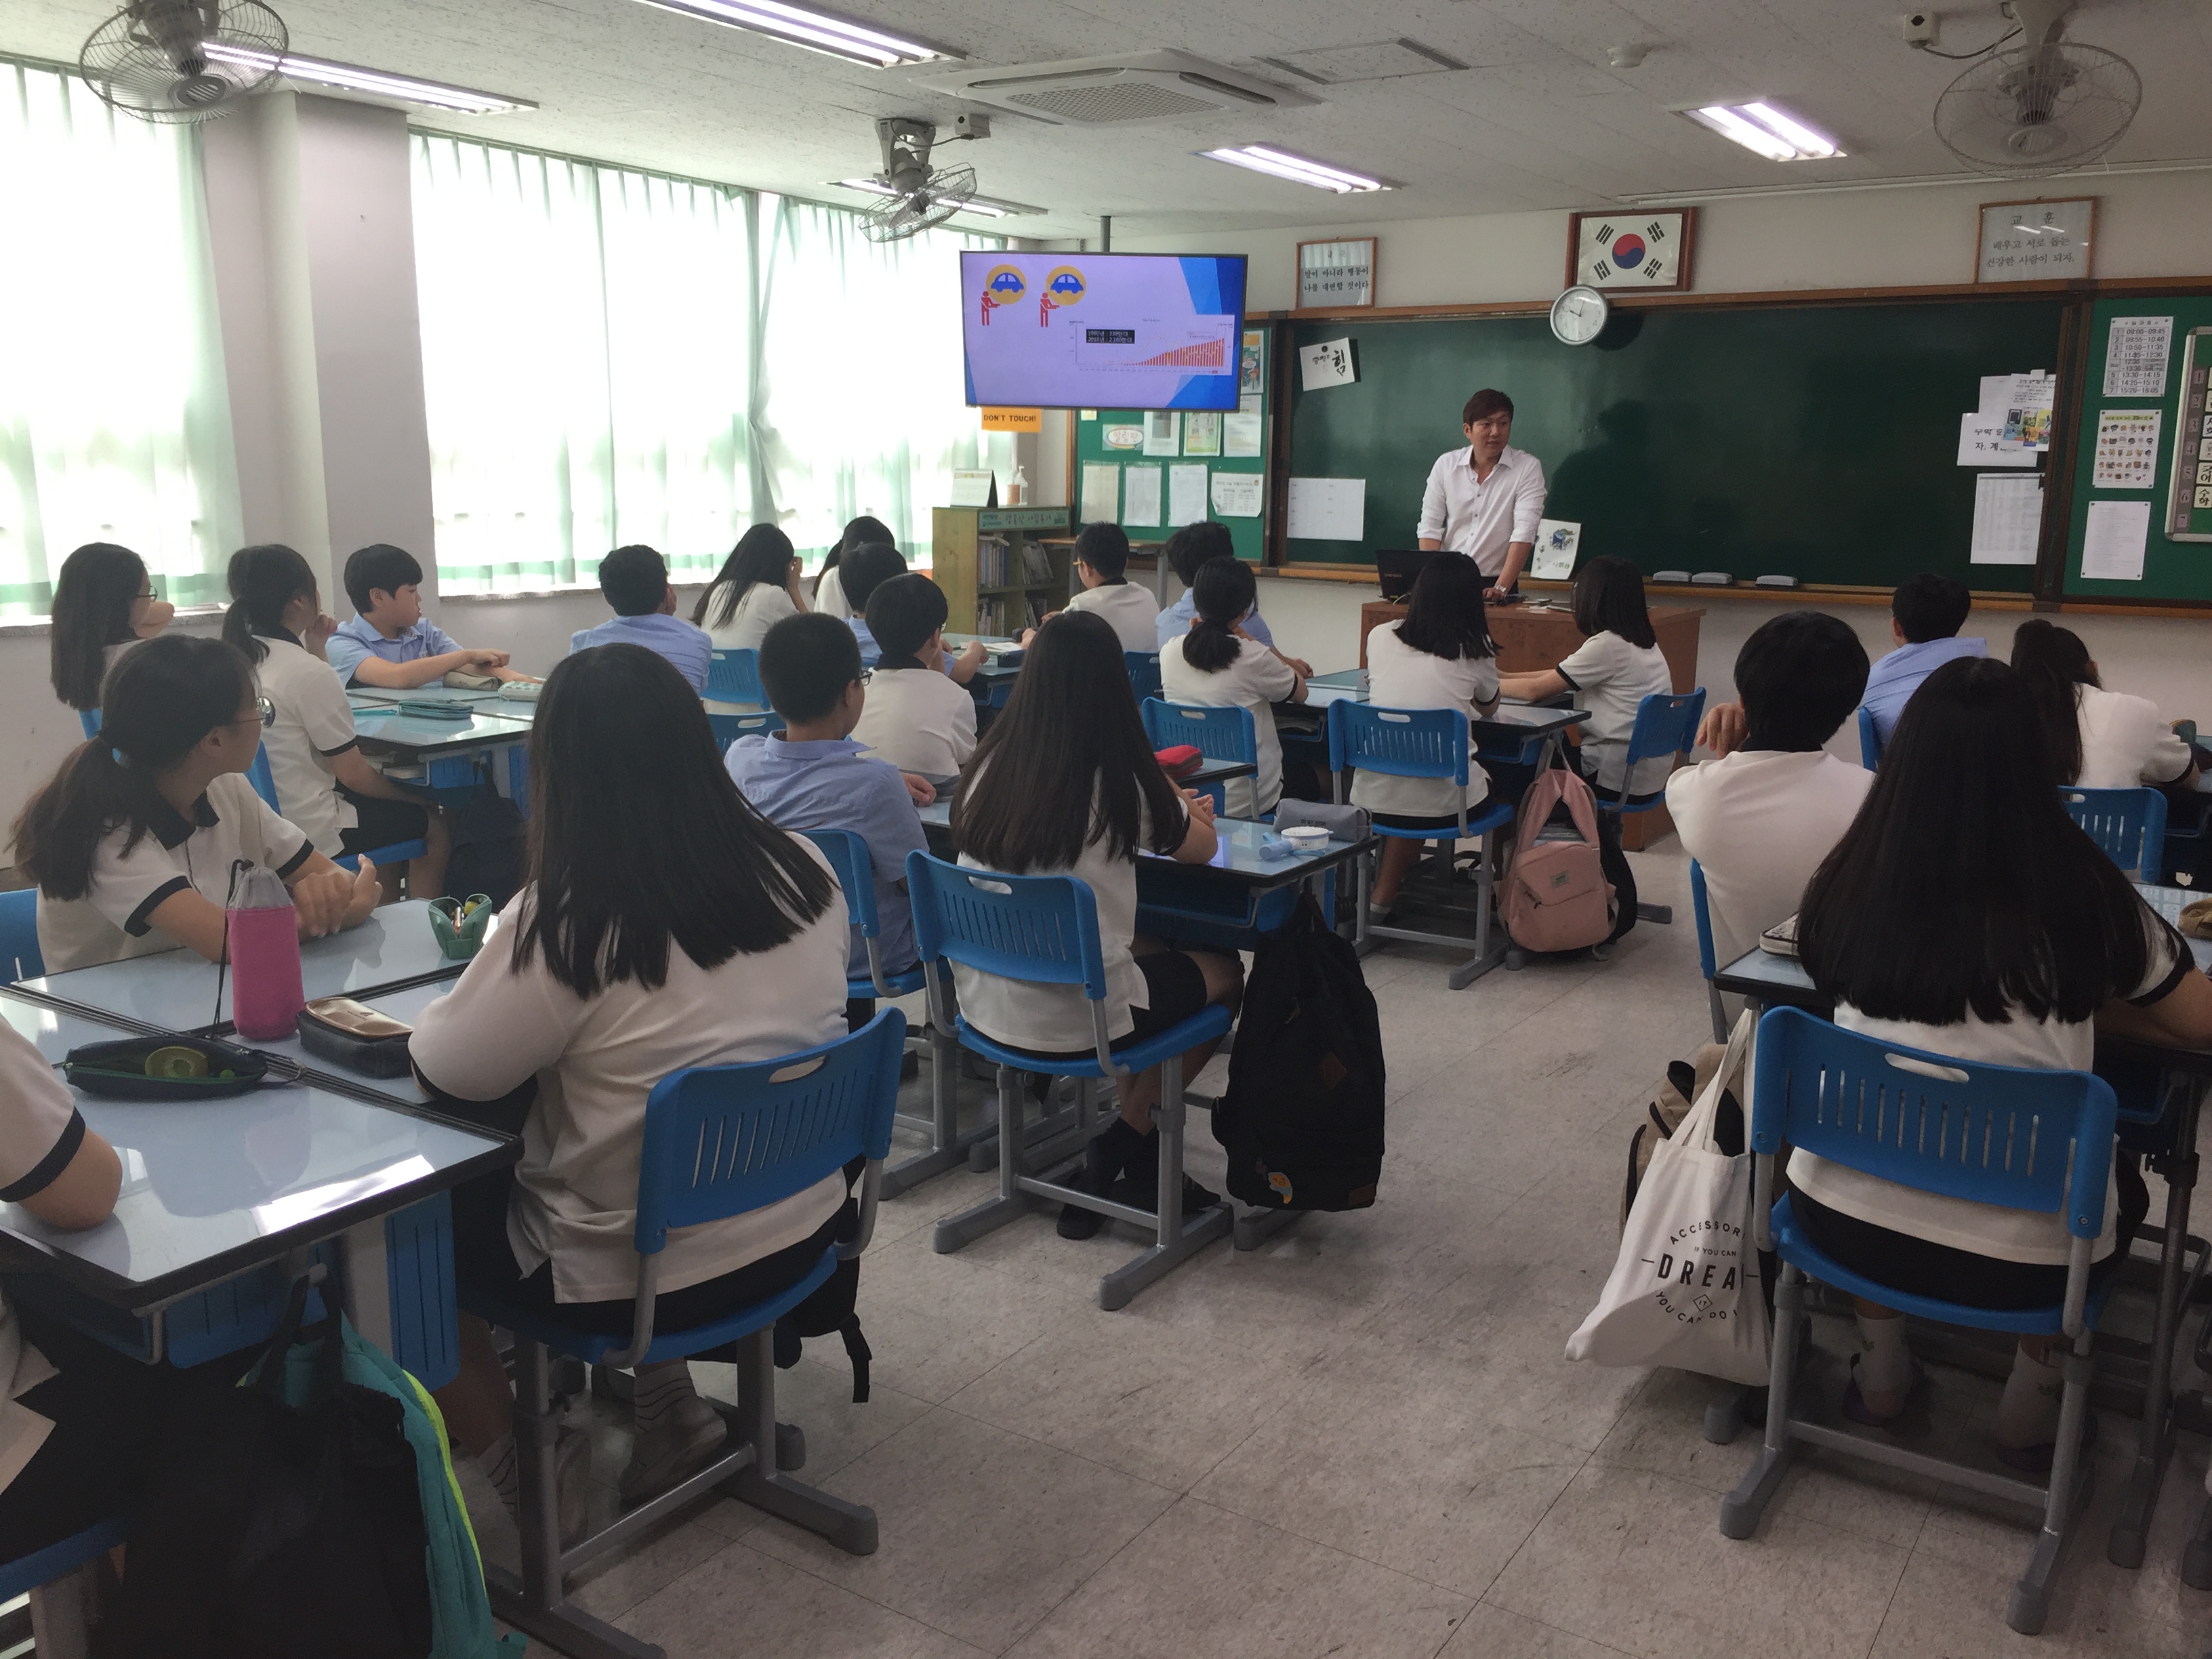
{"points": [[1361, 1439]]}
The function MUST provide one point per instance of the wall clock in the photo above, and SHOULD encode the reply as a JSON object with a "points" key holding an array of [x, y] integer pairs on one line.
{"points": [[1578, 316]]}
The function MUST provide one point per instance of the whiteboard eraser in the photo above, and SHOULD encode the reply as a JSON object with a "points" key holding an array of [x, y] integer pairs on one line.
{"points": [[1712, 578], [1670, 575], [1776, 581]]}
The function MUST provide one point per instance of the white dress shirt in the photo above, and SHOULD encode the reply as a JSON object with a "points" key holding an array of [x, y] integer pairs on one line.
{"points": [[1483, 518]]}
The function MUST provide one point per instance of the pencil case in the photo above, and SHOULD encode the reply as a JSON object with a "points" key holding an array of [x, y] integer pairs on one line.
{"points": [[461, 680], [520, 690], [165, 1067], [458, 925], [1343, 822], [1180, 761], [356, 1037], [434, 711]]}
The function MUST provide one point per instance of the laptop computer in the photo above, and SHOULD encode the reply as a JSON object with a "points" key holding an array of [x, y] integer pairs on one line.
{"points": [[1396, 568]]}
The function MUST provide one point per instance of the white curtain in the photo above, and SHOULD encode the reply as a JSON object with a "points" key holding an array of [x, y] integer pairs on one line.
{"points": [[114, 414]]}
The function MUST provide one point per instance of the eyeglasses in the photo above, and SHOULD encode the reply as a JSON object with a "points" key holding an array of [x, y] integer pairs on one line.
{"points": [[264, 714], [152, 589]]}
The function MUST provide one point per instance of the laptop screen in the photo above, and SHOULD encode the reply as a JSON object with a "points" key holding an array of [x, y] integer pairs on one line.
{"points": [[1396, 568]]}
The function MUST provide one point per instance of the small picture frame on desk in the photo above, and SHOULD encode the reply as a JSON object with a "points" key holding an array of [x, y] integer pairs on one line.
{"points": [[2039, 241], [1336, 274]]}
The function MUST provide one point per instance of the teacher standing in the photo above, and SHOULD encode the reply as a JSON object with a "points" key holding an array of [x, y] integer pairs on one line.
{"points": [[1486, 500]]}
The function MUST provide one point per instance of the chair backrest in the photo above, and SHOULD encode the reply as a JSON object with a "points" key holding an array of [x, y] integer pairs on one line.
{"points": [[1144, 672], [1402, 743], [849, 856], [721, 1140], [263, 779], [1707, 964], [734, 677], [1043, 929], [2023, 1138], [20, 955], [90, 719], [1219, 734], [1665, 724], [728, 728], [1869, 740], [2128, 824]]}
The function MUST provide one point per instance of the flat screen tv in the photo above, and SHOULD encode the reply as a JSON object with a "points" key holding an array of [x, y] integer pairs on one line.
{"points": [[1102, 330]]}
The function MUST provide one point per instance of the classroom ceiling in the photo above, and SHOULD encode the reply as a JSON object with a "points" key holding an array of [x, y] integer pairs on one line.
{"points": [[1538, 119]]}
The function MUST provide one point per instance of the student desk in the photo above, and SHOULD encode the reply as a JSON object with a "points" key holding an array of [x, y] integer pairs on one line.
{"points": [[1768, 979], [447, 750], [1515, 734]]}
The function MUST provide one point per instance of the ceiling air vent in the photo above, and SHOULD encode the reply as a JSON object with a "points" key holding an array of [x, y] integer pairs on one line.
{"points": [[1381, 60], [1147, 86]]}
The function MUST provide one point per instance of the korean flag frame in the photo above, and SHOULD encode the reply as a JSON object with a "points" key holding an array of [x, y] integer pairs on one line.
{"points": [[1666, 239]]}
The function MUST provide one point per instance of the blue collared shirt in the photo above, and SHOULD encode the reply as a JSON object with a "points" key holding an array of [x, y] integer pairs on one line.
{"points": [[356, 638], [1896, 677], [687, 646], [829, 786], [1176, 621]]}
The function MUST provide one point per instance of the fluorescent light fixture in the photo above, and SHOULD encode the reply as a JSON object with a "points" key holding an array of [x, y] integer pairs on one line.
{"points": [[1760, 126], [434, 94], [817, 31], [1298, 169], [989, 207]]}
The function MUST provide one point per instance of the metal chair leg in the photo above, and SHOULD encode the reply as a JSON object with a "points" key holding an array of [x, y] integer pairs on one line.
{"points": [[949, 1148], [2069, 1494], [1720, 1012], [2196, 1554], [1742, 1507], [850, 1526], [1176, 1238], [956, 1231]]}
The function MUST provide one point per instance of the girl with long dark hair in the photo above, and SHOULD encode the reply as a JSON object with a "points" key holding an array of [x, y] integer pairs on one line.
{"points": [[2099, 739], [104, 603], [830, 596], [1064, 783], [757, 587], [1218, 664]]}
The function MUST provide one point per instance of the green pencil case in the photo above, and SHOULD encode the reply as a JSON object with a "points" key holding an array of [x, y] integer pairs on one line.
{"points": [[459, 924], [434, 711]]}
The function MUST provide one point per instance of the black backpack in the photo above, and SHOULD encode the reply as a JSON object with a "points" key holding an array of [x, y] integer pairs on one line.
{"points": [[268, 1531], [487, 837], [1303, 1119], [832, 1309]]}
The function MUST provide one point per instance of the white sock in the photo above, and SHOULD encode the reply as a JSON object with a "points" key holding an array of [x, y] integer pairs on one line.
{"points": [[1885, 1362], [2028, 1414], [659, 1393], [498, 1465]]}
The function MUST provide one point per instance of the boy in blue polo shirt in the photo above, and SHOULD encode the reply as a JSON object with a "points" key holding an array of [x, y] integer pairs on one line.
{"points": [[1926, 613], [389, 642], [634, 580], [811, 775]]}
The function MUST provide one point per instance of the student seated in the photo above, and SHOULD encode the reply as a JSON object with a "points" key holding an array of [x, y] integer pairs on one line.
{"points": [[916, 717], [1616, 666], [1439, 657], [1963, 913], [1102, 563], [1761, 816], [634, 580], [1217, 665], [813, 776], [664, 924], [830, 596], [757, 587], [1926, 615], [1064, 783], [863, 570], [324, 782], [388, 642], [134, 855], [2099, 739], [104, 604]]}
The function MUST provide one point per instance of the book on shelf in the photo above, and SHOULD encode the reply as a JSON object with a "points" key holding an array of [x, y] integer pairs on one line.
{"points": [[1036, 564]]}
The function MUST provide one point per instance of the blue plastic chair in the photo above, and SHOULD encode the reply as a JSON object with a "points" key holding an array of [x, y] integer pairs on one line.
{"points": [[1043, 930], [1225, 733], [719, 1141], [263, 779], [28, 1575], [1707, 964], [2128, 824], [1869, 740], [734, 677], [90, 718], [2017, 1138], [1665, 724], [728, 728], [264, 785], [1421, 743], [848, 856], [20, 955], [1144, 672]]}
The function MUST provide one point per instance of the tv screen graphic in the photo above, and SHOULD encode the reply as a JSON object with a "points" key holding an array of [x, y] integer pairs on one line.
{"points": [[1102, 330]]}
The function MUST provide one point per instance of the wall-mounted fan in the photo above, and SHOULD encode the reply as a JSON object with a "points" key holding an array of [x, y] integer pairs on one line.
{"points": [[2041, 106], [916, 196], [184, 60]]}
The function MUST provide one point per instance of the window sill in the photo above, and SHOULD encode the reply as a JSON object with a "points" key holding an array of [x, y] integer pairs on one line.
{"points": [[44, 625]]}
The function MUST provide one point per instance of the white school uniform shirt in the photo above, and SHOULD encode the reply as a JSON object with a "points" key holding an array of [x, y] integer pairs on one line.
{"points": [[2051, 1044], [1399, 677], [1131, 611], [314, 723], [830, 596], [39, 1133], [574, 1199], [112, 921], [918, 719], [2125, 741], [1760, 822], [1056, 1018], [1611, 678], [111, 654], [765, 606], [1483, 518], [1256, 679]]}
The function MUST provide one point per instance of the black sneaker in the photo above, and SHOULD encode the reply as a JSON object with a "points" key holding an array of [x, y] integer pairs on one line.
{"points": [[1102, 1161]]}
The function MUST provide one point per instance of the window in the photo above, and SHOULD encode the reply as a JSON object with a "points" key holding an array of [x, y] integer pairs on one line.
{"points": [[114, 413]]}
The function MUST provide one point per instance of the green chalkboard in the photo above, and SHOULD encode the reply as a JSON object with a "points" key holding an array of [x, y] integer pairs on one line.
{"points": [[1816, 442], [2172, 569]]}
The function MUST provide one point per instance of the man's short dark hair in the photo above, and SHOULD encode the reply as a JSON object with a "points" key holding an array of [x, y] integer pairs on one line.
{"points": [[1485, 404], [1930, 607], [904, 611], [634, 579], [1196, 544], [1104, 547], [864, 569], [1800, 675], [379, 565], [805, 663]]}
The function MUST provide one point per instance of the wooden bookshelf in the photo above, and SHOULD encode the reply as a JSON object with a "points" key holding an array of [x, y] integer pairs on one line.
{"points": [[1038, 557]]}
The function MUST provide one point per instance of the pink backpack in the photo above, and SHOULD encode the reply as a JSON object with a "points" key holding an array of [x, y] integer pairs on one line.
{"points": [[1557, 897]]}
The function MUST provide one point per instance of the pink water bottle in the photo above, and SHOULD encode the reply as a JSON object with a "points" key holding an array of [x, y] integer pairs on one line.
{"points": [[266, 996]]}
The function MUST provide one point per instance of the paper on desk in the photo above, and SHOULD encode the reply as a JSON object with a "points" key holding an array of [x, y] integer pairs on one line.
{"points": [[1185, 496], [1981, 442], [1240, 435], [2007, 519], [1102, 492], [1328, 509], [2113, 541], [1141, 496], [1238, 494], [1164, 432]]}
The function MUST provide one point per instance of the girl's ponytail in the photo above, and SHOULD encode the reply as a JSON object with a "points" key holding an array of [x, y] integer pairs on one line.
{"points": [[1221, 598], [263, 581]]}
